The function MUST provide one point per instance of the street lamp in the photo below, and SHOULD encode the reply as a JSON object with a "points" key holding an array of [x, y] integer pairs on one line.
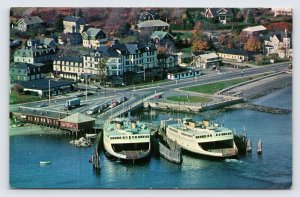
{"points": [[49, 91]]}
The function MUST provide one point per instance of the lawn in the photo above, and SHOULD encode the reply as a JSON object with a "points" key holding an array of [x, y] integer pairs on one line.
{"points": [[16, 98], [217, 86], [191, 99]]}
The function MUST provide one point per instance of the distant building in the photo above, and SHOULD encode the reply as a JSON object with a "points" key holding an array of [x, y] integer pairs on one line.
{"points": [[73, 24], [93, 37], [188, 73], [153, 25], [222, 15], [167, 61], [27, 23], [254, 31], [282, 11], [150, 14], [41, 86], [70, 39], [77, 123], [184, 58], [162, 38], [35, 51], [278, 43], [68, 67], [210, 60], [27, 72], [236, 55]]}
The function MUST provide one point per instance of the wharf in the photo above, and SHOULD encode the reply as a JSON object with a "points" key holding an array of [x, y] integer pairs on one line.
{"points": [[190, 107]]}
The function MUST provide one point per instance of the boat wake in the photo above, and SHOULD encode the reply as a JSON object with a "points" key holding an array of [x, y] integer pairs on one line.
{"points": [[233, 161]]}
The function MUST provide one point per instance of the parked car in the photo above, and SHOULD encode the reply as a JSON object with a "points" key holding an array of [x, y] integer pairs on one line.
{"points": [[157, 96]]}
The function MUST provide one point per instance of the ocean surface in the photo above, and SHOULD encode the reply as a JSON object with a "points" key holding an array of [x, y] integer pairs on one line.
{"points": [[70, 167]]}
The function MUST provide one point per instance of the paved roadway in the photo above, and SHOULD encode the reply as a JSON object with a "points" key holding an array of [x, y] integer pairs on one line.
{"points": [[105, 95]]}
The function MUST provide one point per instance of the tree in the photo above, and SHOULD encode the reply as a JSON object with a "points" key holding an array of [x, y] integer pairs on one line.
{"points": [[102, 68], [59, 25], [197, 30], [250, 17], [162, 50], [280, 26], [18, 88], [253, 44], [200, 45]]}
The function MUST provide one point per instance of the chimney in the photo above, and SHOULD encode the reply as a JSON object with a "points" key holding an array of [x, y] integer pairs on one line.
{"points": [[133, 125]]}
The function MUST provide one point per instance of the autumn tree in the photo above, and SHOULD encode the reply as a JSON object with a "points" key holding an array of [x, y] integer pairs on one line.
{"points": [[253, 44], [200, 45], [197, 31], [280, 26]]}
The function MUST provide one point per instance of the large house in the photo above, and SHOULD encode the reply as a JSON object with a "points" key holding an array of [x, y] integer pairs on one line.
{"points": [[28, 23], [278, 43], [152, 25], [210, 60], [93, 37], [68, 67], [36, 51], [73, 24], [162, 38], [236, 55], [222, 15], [121, 60], [27, 72], [254, 31]]}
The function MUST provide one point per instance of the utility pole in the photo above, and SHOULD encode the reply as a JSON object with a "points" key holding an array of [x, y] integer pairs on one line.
{"points": [[86, 87], [49, 92]]}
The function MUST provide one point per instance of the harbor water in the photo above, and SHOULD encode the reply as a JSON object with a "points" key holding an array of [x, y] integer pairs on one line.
{"points": [[70, 167]]}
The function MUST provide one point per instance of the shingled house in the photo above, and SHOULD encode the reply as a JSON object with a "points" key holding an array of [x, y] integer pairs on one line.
{"points": [[222, 15], [28, 23], [93, 37]]}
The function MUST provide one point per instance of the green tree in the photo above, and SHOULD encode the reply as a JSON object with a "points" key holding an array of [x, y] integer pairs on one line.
{"points": [[102, 69], [250, 17], [59, 25]]}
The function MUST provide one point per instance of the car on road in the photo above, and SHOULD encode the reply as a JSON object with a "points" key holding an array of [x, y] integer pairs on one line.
{"points": [[80, 95], [157, 96], [44, 105]]}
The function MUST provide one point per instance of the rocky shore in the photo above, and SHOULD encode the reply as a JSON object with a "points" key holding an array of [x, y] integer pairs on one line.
{"points": [[30, 129]]}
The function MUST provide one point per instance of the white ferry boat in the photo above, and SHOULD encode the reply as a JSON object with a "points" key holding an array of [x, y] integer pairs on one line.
{"points": [[126, 139], [205, 138]]}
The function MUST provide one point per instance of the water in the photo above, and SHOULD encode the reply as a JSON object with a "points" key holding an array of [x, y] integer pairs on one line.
{"points": [[70, 167]]}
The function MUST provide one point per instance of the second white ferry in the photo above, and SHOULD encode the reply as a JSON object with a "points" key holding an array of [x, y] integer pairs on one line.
{"points": [[205, 138]]}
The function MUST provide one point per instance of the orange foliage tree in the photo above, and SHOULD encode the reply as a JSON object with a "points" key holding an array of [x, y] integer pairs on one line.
{"points": [[279, 26], [200, 45], [253, 44]]}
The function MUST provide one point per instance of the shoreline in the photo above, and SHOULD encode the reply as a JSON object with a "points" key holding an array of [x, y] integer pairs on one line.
{"points": [[31, 129]]}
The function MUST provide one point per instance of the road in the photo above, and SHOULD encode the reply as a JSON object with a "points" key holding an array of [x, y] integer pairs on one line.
{"points": [[135, 95]]}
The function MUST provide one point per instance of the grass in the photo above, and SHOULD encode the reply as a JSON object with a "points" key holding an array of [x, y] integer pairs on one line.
{"points": [[185, 50], [191, 99], [217, 86], [16, 98]]}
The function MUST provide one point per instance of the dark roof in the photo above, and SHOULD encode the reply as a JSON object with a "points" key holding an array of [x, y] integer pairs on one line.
{"points": [[23, 66], [279, 34], [43, 84], [74, 19], [32, 20], [124, 49], [215, 11], [69, 59], [237, 52]]}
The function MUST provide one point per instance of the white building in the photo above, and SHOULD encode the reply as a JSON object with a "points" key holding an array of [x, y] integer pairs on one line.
{"points": [[280, 44], [210, 60], [282, 11]]}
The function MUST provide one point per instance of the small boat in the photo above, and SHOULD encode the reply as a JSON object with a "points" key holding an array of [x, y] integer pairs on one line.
{"points": [[259, 147], [45, 162], [249, 147]]}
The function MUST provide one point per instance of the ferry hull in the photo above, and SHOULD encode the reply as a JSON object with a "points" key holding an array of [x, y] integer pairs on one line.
{"points": [[126, 155], [194, 147]]}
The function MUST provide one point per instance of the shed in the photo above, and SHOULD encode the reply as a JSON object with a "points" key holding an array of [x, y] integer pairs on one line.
{"points": [[77, 123]]}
